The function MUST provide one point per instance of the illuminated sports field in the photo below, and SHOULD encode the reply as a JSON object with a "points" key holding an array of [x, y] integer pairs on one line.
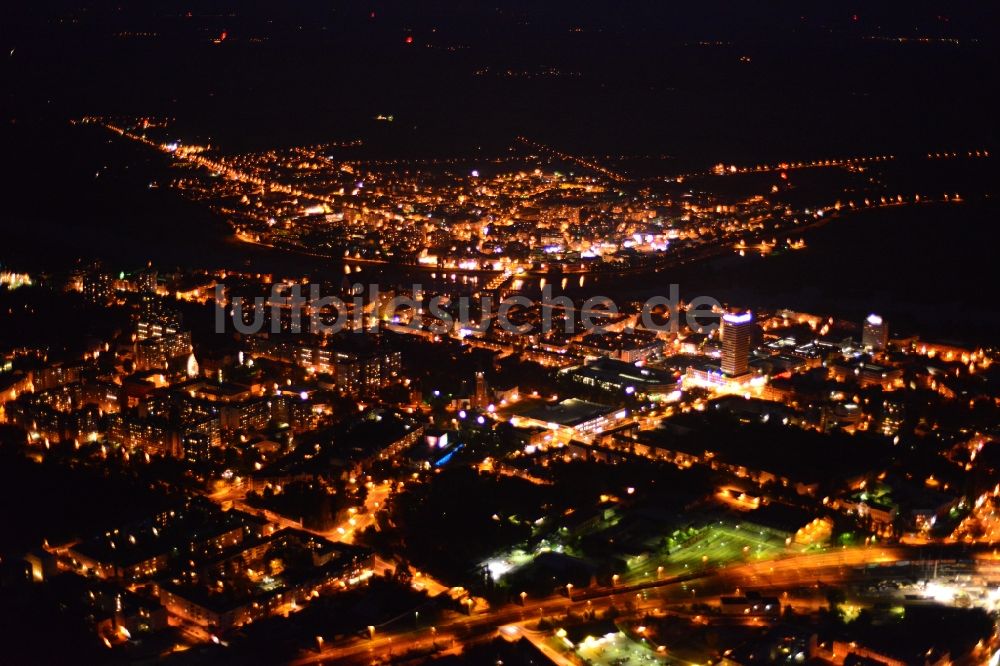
{"points": [[710, 546]]}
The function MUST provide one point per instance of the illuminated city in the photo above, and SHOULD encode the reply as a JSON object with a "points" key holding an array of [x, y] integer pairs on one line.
{"points": [[544, 333]]}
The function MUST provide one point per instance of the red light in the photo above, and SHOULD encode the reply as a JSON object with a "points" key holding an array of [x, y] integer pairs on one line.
{"points": [[409, 39], [223, 36]]}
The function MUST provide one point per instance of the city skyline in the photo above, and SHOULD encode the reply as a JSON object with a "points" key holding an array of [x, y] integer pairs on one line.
{"points": [[455, 334]]}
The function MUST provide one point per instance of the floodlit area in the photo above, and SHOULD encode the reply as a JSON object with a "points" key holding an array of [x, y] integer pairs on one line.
{"points": [[693, 549], [616, 649], [504, 563], [963, 593], [714, 545]]}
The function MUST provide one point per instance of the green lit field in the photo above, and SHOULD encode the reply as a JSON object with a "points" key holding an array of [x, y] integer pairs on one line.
{"points": [[714, 545], [717, 544]]}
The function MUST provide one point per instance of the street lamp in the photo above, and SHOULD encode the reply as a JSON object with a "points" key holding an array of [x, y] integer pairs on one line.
{"points": [[614, 579], [319, 643], [569, 589], [523, 595]]}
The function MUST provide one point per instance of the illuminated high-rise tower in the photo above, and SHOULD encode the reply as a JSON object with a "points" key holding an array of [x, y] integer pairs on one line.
{"points": [[736, 332], [482, 396], [874, 334]]}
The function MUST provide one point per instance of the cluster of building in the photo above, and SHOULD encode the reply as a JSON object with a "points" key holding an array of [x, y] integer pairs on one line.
{"points": [[218, 569], [797, 420], [149, 391], [551, 211]]}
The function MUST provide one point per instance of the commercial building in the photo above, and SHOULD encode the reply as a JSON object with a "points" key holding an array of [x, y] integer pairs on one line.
{"points": [[571, 419], [624, 378], [874, 333], [736, 334]]}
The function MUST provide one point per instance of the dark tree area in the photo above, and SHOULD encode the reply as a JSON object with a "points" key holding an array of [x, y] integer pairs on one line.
{"points": [[55, 501]]}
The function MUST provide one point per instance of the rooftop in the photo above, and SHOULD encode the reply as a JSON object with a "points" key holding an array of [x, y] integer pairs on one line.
{"points": [[570, 412]]}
